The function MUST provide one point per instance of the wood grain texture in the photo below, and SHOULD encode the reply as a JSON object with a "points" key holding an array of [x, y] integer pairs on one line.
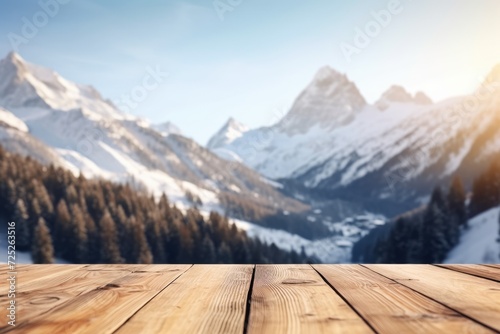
{"points": [[491, 273], [475, 297], [41, 275], [206, 299], [106, 307], [390, 307], [295, 299], [39, 289], [284, 299]]}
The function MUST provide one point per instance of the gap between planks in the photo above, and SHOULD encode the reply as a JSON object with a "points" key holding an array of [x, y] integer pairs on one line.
{"points": [[489, 273], [449, 288], [390, 307]]}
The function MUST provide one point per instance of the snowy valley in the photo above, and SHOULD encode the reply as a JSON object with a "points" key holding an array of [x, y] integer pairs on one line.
{"points": [[316, 182]]}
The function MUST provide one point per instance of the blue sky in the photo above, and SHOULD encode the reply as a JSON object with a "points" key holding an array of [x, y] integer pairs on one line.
{"points": [[253, 64]]}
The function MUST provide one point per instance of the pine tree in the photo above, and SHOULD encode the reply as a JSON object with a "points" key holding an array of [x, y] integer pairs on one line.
{"points": [[173, 242], [141, 253], [34, 211], [155, 236], [109, 252], [77, 237], [42, 250], [435, 243], [415, 244], [43, 197], [458, 211], [397, 242], [61, 225], [8, 196], [456, 201], [224, 254], [93, 242], [24, 229], [208, 254]]}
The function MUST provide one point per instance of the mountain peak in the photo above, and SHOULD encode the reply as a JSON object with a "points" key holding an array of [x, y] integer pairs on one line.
{"points": [[13, 63], [167, 128], [14, 56], [234, 124], [397, 93], [422, 98], [230, 131], [330, 100], [326, 72], [25, 85]]}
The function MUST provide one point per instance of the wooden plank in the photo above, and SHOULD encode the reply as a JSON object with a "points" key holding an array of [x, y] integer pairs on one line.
{"points": [[46, 268], [491, 273], [206, 299], [25, 271], [42, 273], [295, 299], [390, 307], [158, 268], [38, 296], [475, 297], [497, 266], [27, 281], [103, 309], [114, 267]]}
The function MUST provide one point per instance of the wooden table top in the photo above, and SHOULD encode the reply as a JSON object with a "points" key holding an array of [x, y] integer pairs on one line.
{"points": [[254, 299]]}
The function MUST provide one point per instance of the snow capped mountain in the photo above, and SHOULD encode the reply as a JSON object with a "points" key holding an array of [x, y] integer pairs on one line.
{"points": [[229, 132], [28, 86], [56, 121], [397, 94], [334, 142], [329, 101]]}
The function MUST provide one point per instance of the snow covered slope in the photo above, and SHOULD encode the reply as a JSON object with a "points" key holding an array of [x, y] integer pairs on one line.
{"points": [[56, 121], [479, 243], [333, 249], [389, 154], [9, 120], [15, 137], [229, 132]]}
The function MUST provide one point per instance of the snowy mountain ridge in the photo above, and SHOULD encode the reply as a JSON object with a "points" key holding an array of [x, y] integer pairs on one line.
{"points": [[332, 140], [231, 131], [56, 121]]}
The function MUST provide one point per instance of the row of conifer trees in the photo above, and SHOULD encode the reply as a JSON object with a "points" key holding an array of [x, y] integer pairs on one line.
{"points": [[428, 234], [97, 221]]}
